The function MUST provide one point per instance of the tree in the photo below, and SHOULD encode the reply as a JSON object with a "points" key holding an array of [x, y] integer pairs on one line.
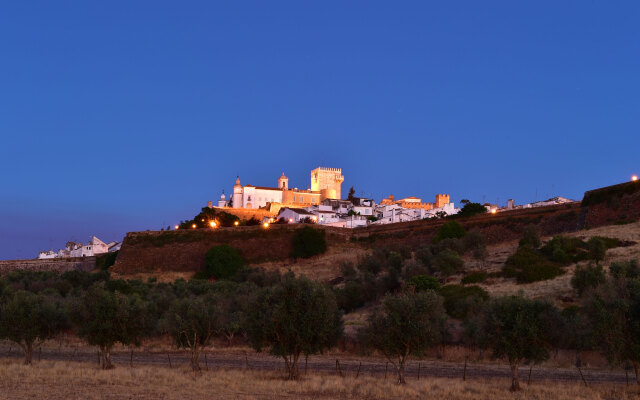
{"points": [[421, 283], [449, 230], [222, 262], [597, 248], [104, 318], [405, 324], [519, 329], [192, 322], [29, 319], [614, 311], [352, 193], [295, 317], [308, 242], [471, 209]]}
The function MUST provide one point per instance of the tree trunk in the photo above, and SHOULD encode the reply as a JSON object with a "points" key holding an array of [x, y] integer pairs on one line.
{"points": [[515, 381], [294, 367], [636, 368], [401, 373], [106, 357], [28, 352], [195, 359]]}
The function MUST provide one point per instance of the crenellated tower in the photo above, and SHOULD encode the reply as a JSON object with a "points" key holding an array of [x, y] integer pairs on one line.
{"points": [[327, 181]]}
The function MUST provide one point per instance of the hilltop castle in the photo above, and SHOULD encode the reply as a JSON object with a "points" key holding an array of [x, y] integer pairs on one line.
{"points": [[325, 184]]}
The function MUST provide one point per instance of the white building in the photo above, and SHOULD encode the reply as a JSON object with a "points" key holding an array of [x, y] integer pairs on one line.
{"points": [[295, 215], [73, 249]]}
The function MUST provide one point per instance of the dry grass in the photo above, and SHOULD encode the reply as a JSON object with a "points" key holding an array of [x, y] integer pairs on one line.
{"points": [[67, 380]]}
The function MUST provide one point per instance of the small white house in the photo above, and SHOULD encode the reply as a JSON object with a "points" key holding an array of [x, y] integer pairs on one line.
{"points": [[295, 215]]}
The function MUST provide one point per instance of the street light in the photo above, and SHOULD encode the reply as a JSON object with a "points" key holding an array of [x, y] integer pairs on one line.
{"points": [[634, 178], [212, 224], [193, 226], [176, 227], [266, 224], [236, 223]]}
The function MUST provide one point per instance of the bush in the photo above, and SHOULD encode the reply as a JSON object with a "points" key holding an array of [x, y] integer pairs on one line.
{"points": [[459, 300], [530, 237], [223, 262], [106, 260], [475, 277], [587, 277], [308, 242], [420, 283], [528, 265], [450, 230], [448, 262], [350, 297]]}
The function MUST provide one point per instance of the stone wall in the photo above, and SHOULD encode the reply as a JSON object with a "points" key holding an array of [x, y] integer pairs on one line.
{"points": [[56, 264]]}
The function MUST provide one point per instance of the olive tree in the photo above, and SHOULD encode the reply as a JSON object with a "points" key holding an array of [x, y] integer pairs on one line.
{"points": [[519, 329], [405, 324], [104, 318], [295, 317], [29, 319], [193, 322], [614, 311]]}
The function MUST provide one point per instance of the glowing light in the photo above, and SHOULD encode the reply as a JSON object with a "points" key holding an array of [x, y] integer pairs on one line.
{"points": [[236, 223], [634, 178], [193, 226], [266, 224], [270, 219], [212, 224], [493, 211], [176, 227], [290, 219]]}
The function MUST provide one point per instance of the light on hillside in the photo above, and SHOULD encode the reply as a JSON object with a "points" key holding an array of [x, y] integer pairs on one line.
{"points": [[236, 223], [493, 211], [176, 227], [212, 224], [193, 226], [266, 224], [634, 178]]}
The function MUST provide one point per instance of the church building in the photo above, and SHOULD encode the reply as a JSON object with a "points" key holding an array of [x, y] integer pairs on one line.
{"points": [[325, 184]]}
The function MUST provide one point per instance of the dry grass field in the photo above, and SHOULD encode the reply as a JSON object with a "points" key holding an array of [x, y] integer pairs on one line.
{"points": [[74, 380]]}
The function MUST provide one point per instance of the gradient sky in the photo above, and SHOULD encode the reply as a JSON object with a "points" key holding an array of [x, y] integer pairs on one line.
{"points": [[131, 115]]}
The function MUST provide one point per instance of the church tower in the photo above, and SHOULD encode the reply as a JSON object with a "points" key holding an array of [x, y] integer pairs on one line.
{"points": [[283, 182], [237, 194], [327, 181]]}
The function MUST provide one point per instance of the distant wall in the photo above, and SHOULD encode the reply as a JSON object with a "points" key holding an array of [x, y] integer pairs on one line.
{"points": [[56, 264], [185, 250]]}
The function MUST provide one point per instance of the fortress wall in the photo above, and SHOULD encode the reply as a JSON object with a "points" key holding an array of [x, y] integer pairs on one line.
{"points": [[56, 264]]}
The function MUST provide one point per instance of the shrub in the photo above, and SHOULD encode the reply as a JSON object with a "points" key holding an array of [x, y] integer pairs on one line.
{"points": [[587, 277], [222, 262], [528, 265], [350, 297], [475, 277], [308, 242], [449, 230], [420, 283], [530, 237], [106, 260], [459, 300], [448, 262]]}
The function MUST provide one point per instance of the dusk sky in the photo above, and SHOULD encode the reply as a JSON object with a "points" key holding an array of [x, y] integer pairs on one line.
{"points": [[131, 115]]}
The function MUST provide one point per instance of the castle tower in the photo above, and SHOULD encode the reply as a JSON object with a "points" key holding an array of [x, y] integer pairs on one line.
{"points": [[441, 200], [327, 181], [237, 194], [283, 182]]}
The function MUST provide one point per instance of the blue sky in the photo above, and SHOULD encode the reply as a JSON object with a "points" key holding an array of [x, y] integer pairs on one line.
{"points": [[127, 116]]}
